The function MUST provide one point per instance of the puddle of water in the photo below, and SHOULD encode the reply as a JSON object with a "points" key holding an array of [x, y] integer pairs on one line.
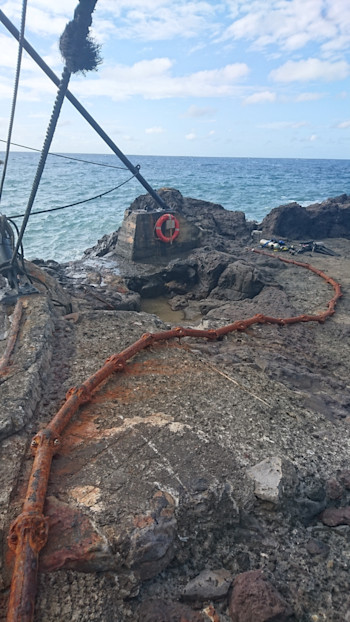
{"points": [[160, 306]]}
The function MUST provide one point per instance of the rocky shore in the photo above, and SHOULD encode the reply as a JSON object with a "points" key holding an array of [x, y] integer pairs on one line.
{"points": [[209, 480]]}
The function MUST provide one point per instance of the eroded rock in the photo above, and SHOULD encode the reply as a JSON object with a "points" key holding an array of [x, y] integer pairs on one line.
{"points": [[169, 611], [322, 220], [239, 280], [74, 541], [271, 477], [336, 516], [208, 585], [255, 598]]}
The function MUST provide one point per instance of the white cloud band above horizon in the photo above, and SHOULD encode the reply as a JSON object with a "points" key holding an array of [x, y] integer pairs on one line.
{"points": [[173, 69]]}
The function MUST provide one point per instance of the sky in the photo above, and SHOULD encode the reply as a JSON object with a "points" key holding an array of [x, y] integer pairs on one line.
{"points": [[234, 78]]}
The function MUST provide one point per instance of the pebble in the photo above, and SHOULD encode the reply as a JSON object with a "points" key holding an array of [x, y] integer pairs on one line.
{"points": [[317, 547], [344, 477], [334, 489], [208, 585], [336, 516], [267, 476]]}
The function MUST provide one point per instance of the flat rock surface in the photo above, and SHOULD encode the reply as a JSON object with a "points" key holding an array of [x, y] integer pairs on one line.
{"points": [[151, 486]]}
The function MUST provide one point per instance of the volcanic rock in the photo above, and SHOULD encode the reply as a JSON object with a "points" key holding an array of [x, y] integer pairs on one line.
{"points": [[255, 598], [329, 219], [272, 477], [317, 547], [239, 280], [162, 611], [153, 470], [334, 489], [344, 477], [208, 585], [336, 516]]}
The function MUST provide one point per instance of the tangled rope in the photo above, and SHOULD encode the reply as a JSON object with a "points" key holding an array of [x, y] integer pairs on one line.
{"points": [[29, 532]]}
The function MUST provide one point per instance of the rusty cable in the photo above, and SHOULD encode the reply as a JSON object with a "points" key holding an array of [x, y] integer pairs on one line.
{"points": [[29, 532], [11, 342]]}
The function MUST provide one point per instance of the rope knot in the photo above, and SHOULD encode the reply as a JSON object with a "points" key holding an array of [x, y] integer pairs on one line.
{"points": [[78, 49]]}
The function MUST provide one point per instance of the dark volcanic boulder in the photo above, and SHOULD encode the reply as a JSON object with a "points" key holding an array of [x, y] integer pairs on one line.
{"points": [[232, 225], [254, 598], [290, 221], [210, 217], [328, 219], [105, 245], [238, 281], [209, 267], [331, 218], [171, 197]]}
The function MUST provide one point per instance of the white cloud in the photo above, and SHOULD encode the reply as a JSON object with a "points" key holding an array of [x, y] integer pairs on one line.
{"points": [[8, 56], [309, 70], [161, 19], [36, 86], [6, 89], [313, 137], [42, 17], [155, 130], [291, 24], [199, 111], [44, 22], [153, 79], [343, 125], [191, 136], [309, 97], [281, 125], [260, 98]]}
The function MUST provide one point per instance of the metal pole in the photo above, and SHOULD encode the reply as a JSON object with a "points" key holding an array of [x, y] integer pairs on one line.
{"points": [[37, 58]]}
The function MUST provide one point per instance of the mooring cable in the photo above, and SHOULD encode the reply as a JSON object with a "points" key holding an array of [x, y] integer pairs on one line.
{"points": [[97, 196], [81, 54], [66, 157], [15, 92]]}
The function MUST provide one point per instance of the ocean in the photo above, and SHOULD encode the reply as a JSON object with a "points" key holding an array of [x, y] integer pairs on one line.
{"points": [[252, 185]]}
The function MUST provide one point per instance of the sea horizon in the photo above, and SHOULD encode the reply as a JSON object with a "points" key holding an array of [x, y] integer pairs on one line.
{"points": [[252, 185], [162, 155]]}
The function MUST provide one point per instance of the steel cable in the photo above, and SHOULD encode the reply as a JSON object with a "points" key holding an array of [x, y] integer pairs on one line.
{"points": [[15, 92], [97, 196], [66, 157]]}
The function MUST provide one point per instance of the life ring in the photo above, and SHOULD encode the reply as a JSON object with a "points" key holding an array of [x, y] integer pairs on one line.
{"points": [[175, 228]]}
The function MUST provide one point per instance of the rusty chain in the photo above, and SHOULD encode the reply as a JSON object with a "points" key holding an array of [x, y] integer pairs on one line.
{"points": [[29, 531]]}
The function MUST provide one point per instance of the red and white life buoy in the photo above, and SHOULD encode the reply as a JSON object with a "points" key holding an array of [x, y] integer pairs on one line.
{"points": [[174, 228]]}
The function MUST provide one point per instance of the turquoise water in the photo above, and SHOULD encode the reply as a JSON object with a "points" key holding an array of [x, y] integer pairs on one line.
{"points": [[253, 185]]}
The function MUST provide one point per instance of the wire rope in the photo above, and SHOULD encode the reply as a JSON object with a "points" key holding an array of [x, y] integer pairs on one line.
{"points": [[60, 155], [15, 92], [97, 196], [47, 142], [80, 54]]}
